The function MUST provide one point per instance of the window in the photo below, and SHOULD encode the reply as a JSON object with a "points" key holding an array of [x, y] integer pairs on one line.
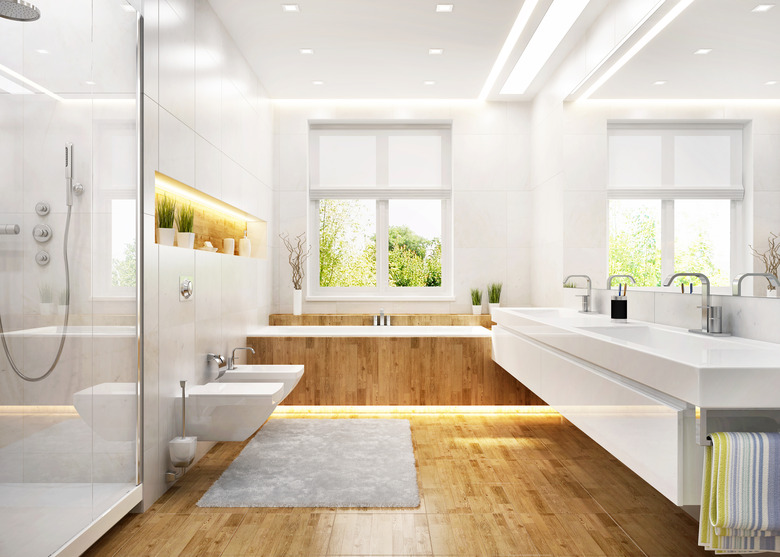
{"points": [[674, 196], [380, 211]]}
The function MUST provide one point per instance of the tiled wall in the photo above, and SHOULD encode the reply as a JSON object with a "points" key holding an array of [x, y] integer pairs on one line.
{"points": [[208, 124], [491, 201]]}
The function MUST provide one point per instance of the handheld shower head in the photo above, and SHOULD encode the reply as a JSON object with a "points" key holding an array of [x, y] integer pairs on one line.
{"points": [[18, 10], [69, 174]]}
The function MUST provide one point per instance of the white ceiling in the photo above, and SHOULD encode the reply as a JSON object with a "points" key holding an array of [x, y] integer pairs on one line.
{"points": [[370, 48], [378, 49], [745, 55]]}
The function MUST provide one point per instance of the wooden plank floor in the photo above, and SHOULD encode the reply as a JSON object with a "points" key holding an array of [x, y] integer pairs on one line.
{"points": [[490, 484]]}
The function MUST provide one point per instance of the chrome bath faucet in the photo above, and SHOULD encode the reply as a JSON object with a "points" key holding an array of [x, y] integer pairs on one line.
{"points": [[585, 297], [711, 316]]}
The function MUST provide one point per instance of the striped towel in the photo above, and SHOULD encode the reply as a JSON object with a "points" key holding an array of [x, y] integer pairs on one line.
{"points": [[740, 511]]}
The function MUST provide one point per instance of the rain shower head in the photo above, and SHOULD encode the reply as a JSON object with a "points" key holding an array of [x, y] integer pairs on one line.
{"points": [[18, 10]]}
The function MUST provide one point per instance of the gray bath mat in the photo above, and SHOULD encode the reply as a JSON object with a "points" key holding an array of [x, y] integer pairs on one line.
{"points": [[322, 463]]}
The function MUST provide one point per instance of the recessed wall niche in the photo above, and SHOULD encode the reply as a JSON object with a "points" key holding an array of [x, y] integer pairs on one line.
{"points": [[214, 219]]}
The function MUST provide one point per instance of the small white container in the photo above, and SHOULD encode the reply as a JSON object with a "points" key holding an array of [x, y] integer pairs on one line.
{"points": [[47, 308], [493, 307], [182, 450], [165, 236], [297, 302], [229, 246], [244, 247], [62, 309], [185, 240], [476, 310]]}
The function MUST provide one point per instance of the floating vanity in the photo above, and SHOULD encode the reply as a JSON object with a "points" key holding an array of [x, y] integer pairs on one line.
{"points": [[635, 387]]}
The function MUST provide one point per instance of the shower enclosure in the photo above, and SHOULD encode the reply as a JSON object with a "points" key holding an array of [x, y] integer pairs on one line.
{"points": [[69, 311]]}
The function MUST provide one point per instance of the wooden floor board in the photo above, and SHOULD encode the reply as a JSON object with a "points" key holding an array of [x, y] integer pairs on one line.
{"points": [[494, 485]]}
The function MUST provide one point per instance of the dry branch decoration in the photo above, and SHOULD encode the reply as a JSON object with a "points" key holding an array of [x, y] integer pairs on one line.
{"points": [[770, 257], [297, 256]]}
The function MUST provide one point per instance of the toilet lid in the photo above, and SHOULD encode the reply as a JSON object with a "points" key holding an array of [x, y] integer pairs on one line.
{"points": [[236, 393]]}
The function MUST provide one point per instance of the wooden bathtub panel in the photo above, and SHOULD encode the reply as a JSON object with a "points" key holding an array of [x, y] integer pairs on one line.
{"points": [[434, 371]]}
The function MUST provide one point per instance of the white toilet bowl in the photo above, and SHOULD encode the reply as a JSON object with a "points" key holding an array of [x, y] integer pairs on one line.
{"points": [[228, 411], [110, 409], [288, 375]]}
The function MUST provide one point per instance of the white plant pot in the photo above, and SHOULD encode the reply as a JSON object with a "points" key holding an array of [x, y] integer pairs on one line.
{"points": [[771, 293], [476, 310], [165, 236], [297, 302], [493, 307], [47, 308], [185, 240], [245, 247], [61, 309]]}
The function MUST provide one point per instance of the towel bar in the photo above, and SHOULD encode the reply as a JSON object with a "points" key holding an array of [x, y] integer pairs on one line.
{"points": [[718, 419], [11, 229]]}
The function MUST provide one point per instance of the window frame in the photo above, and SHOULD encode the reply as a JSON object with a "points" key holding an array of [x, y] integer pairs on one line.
{"points": [[667, 192], [382, 193]]}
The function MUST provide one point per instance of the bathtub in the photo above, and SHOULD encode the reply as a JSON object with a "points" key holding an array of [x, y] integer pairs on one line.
{"points": [[367, 331]]}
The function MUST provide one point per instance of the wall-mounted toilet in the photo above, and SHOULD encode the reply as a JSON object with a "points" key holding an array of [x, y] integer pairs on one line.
{"points": [[228, 411], [288, 375]]}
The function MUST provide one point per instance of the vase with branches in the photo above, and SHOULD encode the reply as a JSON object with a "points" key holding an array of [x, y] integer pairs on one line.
{"points": [[770, 258], [298, 253]]}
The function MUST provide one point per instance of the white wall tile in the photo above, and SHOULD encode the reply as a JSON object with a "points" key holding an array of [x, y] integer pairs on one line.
{"points": [[177, 148], [177, 59]]}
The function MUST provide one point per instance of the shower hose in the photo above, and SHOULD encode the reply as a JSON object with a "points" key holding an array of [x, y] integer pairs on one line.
{"points": [[16, 368]]}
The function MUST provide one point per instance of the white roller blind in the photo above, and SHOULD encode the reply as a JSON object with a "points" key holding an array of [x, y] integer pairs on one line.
{"points": [[650, 161]]}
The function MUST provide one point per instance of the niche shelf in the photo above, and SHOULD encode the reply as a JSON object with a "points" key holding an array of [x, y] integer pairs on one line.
{"points": [[214, 219]]}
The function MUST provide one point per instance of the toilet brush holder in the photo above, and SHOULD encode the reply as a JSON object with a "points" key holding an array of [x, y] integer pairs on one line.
{"points": [[181, 449]]}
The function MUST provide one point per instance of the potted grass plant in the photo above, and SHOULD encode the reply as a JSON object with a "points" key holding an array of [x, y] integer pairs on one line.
{"points": [[476, 301], [494, 296], [47, 298], [62, 307], [166, 211], [185, 221]]}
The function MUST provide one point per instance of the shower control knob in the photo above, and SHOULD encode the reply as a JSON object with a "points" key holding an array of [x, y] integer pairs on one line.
{"points": [[42, 233], [78, 188], [42, 258], [185, 288], [42, 208]]}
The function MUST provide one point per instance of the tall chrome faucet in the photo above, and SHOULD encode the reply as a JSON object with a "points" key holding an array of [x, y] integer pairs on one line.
{"points": [[609, 280], [736, 286], [381, 319], [231, 362], [585, 297], [711, 316]]}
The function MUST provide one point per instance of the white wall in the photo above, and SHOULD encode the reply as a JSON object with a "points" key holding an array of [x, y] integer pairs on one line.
{"points": [[208, 123], [491, 201]]}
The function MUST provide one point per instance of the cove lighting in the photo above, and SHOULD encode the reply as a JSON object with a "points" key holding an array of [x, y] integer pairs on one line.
{"points": [[291, 8], [557, 22], [670, 16], [703, 51], [19, 77], [12, 87], [306, 50], [170, 185], [287, 409], [762, 8], [509, 44], [435, 51], [444, 8]]}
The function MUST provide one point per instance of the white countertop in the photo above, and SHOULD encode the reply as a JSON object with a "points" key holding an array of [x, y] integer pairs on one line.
{"points": [[367, 331], [707, 371]]}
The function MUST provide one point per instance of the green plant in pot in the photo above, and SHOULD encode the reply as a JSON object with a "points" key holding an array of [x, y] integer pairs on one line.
{"points": [[494, 295], [166, 212], [476, 301], [47, 298], [185, 222]]}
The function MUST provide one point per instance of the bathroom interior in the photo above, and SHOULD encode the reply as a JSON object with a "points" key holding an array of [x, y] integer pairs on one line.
{"points": [[494, 277]]}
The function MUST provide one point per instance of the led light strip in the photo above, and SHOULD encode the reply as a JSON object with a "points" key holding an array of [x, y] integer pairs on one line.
{"points": [[170, 185], [19, 77], [414, 410], [635, 48]]}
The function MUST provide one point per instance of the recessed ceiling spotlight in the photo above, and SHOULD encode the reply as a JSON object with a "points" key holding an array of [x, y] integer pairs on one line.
{"points": [[41, 51], [435, 51], [291, 8], [444, 8], [773, 82], [429, 83], [761, 8], [703, 51], [317, 82], [90, 82], [659, 83], [306, 50]]}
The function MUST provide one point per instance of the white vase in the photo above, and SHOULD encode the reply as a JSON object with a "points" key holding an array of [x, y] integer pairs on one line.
{"points": [[165, 236], [771, 293], [492, 307], [47, 308], [297, 302], [61, 309], [476, 310], [185, 240], [229, 246]]}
